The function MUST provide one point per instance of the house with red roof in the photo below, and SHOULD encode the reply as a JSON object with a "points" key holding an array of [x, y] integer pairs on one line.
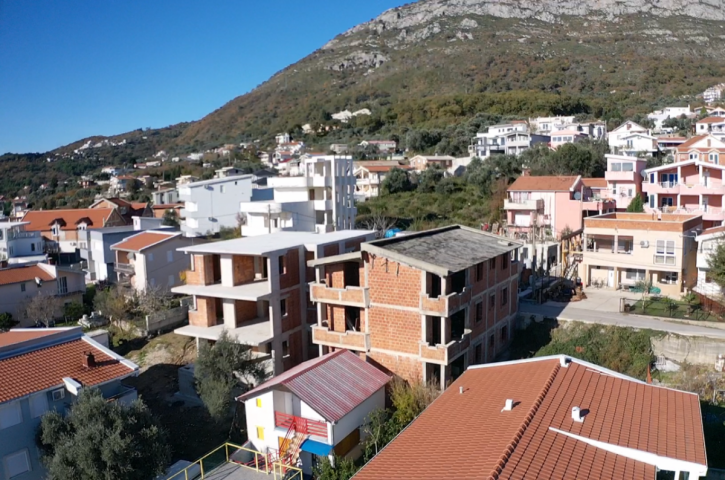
{"points": [[552, 417], [316, 409], [369, 175], [44, 370]]}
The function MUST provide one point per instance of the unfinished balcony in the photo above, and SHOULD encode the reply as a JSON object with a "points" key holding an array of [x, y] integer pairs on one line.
{"points": [[434, 302], [342, 327], [445, 339], [341, 285]]}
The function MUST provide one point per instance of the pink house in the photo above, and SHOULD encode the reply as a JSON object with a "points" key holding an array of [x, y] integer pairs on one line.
{"points": [[691, 185], [562, 137], [624, 179], [553, 204]]}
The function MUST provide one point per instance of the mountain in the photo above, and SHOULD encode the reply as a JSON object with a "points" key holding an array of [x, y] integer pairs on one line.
{"points": [[436, 63]]}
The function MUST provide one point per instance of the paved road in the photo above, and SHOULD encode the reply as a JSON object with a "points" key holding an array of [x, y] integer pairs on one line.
{"points": [[583, 313]]}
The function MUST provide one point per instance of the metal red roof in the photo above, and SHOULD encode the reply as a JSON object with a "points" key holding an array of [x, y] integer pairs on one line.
{"points": [[332, 385]]}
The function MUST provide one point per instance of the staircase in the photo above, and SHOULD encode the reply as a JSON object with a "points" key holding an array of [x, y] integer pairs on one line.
{"points": [[293, 451]]}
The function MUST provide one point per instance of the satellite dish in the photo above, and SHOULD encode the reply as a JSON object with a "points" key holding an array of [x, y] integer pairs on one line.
{"points": [[131, 255], [577, 195]]}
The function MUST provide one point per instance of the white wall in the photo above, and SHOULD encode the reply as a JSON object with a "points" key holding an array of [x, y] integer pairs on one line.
{"points": [[358, 416], [214, 208], [262, 417]]}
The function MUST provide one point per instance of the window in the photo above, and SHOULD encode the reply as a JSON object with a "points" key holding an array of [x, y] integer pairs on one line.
{"points": [[150, 257], [492, 301], [693, 156], [479, 312], [714, 158], [55, 229], [282, 265], [10, 414], [479, 353], [504, 296], [62, 285], [627, 167], [259, 402], [285, 349], [221, 189], [17, 463], [665, 253], [504, 262], [38, 404], [492, 263], [32, 247], [260, 433], [22, 287], [479, 272], [505, 333], [616, 167], [283, 306], [170, 256], [491, 341], [193, 263], [171, 280]]}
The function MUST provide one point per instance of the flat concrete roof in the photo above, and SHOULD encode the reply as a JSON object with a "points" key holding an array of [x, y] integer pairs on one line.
{"points": [[253, 333], [250, 292], [443, 251], [345, 257], [265, 244]]}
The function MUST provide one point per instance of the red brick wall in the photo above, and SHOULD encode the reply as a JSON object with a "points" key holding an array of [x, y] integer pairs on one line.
{"points": [[203, 273], [242, 269], [205, 314], [245, 311], [330, 250], [396, 330], [407, 368], [335, 275], [394, 284], [354, 244], [295, 350], [292, 265], [336, 318], [292, 319]]}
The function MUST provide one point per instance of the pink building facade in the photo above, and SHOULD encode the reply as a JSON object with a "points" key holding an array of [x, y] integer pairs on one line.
{"points": [[691, 185], [624, 179]]}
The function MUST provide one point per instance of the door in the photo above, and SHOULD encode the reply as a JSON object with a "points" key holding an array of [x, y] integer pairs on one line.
{"points": [[706, 178], [283, 446], [704, 203], [610, 278]]}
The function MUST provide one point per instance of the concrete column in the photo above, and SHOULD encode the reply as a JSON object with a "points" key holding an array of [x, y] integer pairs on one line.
{"points": [[229, 313], [616, 278], [615, 246], [445, 330], [424, 328], [443, 377]]}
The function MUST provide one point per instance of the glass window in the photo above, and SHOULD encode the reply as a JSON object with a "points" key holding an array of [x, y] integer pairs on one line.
{"points": [[479, 312], [616, 167], [62, 285], [504, 296], [260, 433], [170, 256], [17, 463], [38, 404], [283, 306], [627, 167], [10, 414]]}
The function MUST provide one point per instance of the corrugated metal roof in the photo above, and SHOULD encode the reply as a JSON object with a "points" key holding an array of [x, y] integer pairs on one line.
{"points": [[332, 385]]}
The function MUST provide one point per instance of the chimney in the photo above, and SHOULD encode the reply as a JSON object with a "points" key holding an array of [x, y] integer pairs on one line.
{"points": [[525, 172], [576, 415], [564, 361], [508, 406], [88, 360]]}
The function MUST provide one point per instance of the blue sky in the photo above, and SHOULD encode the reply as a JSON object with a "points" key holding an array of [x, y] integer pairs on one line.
{"points": [[71, 69]]}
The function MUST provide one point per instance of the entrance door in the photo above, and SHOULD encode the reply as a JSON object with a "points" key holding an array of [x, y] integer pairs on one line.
{"points": [[706, 178], [283, 446], [610, 278]]}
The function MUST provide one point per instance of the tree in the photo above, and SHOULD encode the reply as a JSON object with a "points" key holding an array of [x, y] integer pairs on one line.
{"points": [[221, 368], [170, 219], [636, 205], [7, 322], [102, 440], [112, 303], [344, 469], [379, 223], [43, 308], [154, 299], [430, 178], [716, 263], [73, 311], [396, 181]]}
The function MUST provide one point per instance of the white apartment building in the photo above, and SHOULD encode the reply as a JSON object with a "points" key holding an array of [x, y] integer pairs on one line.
{"points": [[212, 204], [618, 137], [547, 125], [18, 246], [713, 94], [659, 116], [319, 200], [165, 196], [509, 139], [707, 243]]}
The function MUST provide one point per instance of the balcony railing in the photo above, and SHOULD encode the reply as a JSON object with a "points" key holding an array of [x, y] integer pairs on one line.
{"points": [[301, 425], [351, 296], [349, 339], [124, 268]]}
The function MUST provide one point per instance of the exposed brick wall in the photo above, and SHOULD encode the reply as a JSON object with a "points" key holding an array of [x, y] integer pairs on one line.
{"points": [[394, 284], [203, 273], [354, 244], [242, 269], [295, 351], [330, 250], [335, 275], [336, 318], [205, 314], [409, 369], [292, 265], [396, 330], [292, 319], [245, 311]]}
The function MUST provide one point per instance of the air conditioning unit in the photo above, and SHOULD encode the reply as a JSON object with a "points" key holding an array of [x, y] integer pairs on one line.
{"points": [[644, 244], [58, 394]]}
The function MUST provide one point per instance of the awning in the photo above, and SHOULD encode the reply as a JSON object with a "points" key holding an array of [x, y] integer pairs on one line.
{"points": [[318, 448]]}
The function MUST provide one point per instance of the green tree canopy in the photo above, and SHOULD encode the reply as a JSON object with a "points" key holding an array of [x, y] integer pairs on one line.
{"points": [[101, 440], [170, 219], [7, 322], [222, 367], [396, 181], [716, 263], [636, 205]]}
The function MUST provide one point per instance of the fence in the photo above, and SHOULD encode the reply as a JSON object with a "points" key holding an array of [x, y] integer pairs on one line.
{"points": [[660, 306], [229, 457], [167, 319]]}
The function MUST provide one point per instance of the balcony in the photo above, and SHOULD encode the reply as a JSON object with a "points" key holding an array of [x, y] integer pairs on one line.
{"points": [[126, 396], [254, 332], [21, 235], [661, 187], [126, 268], [350, 296], [351, 340], [300, 182], [299, 424], [444, 305], [444, 354], [702, 188], [322, 205], [257, 290], [531, 204], [620, 176], [712, 213]]}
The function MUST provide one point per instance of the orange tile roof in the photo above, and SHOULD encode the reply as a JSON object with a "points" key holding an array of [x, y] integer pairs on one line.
{"points": [[143, 240], [166, 206], [474, 439], [24, 274], [114, 200], [45, 368], [12, 337], [41, 220], [691, 141], [595, 182], [139, 205], [530, 183], [713, 230], [712, 120]]}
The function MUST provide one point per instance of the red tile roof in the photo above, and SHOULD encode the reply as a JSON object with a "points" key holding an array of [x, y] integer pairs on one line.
{"points": [[474, 439], [712, 120], [166, 206], [143, 240], [691, 141], [332, 385], [139, 205], [24, 274], [45, 368], [713, 230], [16, 336], [41, 220], [595, 182], [528, 183]]}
